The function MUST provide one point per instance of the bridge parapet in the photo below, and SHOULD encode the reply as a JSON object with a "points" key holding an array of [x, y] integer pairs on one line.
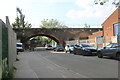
{"points": [[57, 34]]}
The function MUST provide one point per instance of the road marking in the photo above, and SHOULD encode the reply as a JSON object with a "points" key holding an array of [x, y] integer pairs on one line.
{"points": [[82, 76], [51, 68], [56, 52], [33, 71]]}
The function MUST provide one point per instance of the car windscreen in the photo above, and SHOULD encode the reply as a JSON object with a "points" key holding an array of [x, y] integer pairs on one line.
{"points": [[109, 45], [59, 46], [85, 45], [49, 46], [115, 45], [19, 45], [71, 45]]}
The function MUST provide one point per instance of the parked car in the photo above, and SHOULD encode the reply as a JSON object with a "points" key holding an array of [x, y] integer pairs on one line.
{"points": [[84, 49], [48, 47], [19, 47], [59, 48], [69, 48], [111, 50]]}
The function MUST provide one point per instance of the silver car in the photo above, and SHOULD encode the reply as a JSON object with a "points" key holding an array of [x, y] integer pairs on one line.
{"points": [[111, 50], [69, 48]]}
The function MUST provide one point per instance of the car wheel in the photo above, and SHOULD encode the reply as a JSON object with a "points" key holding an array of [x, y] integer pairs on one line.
{"points": [[118, 56], [70, 52], [74, 53], [65, 51], [84, 53], [100, 55]]}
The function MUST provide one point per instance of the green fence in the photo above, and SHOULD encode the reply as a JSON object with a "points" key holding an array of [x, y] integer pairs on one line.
{"points": [[4, 51]]}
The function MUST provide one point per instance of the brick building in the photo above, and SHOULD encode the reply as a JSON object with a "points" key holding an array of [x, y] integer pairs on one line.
{"points": [[99, 33], [109, 25]]}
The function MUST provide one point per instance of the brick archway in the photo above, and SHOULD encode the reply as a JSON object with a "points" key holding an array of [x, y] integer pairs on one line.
{"points": [[47, 35]]}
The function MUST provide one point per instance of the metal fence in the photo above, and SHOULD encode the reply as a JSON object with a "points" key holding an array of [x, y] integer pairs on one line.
{"points": [[4, 47], [97, 42]]}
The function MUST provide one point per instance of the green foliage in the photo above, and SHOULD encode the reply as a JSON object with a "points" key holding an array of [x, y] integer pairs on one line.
{"points": [[43, 39], [10, 74], [20, 21], [86, 26], [16, 23], [53, 23], [19, 24], [102, 2]]}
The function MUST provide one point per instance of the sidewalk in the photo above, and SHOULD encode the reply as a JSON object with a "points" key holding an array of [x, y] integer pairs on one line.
{"points": [[23, 68]]}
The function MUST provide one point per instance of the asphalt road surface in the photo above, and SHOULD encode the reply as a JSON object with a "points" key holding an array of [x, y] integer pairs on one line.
{"points": [[50, 64]]}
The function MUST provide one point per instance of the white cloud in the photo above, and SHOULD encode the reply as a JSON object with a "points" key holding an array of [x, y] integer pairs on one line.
{"points": [[43, 1], [84, 3], [58, 1], [90, 10]]}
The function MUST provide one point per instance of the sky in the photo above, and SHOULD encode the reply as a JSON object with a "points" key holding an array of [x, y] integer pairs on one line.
{"points": [[72, 13]]}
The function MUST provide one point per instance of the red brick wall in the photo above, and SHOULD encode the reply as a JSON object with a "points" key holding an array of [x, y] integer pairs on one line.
{"points": [[94, 35], [108, 29], [119, 15]]}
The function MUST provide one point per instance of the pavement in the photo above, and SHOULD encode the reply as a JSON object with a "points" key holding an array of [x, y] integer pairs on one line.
{"points": [[23, 68], [33, 65]]}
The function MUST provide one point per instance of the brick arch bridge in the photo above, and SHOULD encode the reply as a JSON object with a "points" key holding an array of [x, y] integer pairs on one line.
{"points": [[60, 35]]}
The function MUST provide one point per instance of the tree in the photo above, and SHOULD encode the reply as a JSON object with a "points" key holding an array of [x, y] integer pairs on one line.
{"points": [[16, 24], [43, 39], [53, 23], [86, 26], [102, 2], [20, 21]]}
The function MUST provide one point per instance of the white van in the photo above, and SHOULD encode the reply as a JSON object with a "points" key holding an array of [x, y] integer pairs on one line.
{"points": [[19, 47]]}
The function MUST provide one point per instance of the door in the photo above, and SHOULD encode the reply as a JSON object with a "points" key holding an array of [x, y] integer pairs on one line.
{"points": [[113, 49], [77, 49], [107, 49]]}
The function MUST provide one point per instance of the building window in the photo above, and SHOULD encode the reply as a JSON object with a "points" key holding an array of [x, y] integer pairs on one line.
{"points": [[116, 29]]}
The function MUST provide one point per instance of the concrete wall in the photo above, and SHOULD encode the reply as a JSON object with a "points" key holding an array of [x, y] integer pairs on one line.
{"points": [[11, 44]]}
